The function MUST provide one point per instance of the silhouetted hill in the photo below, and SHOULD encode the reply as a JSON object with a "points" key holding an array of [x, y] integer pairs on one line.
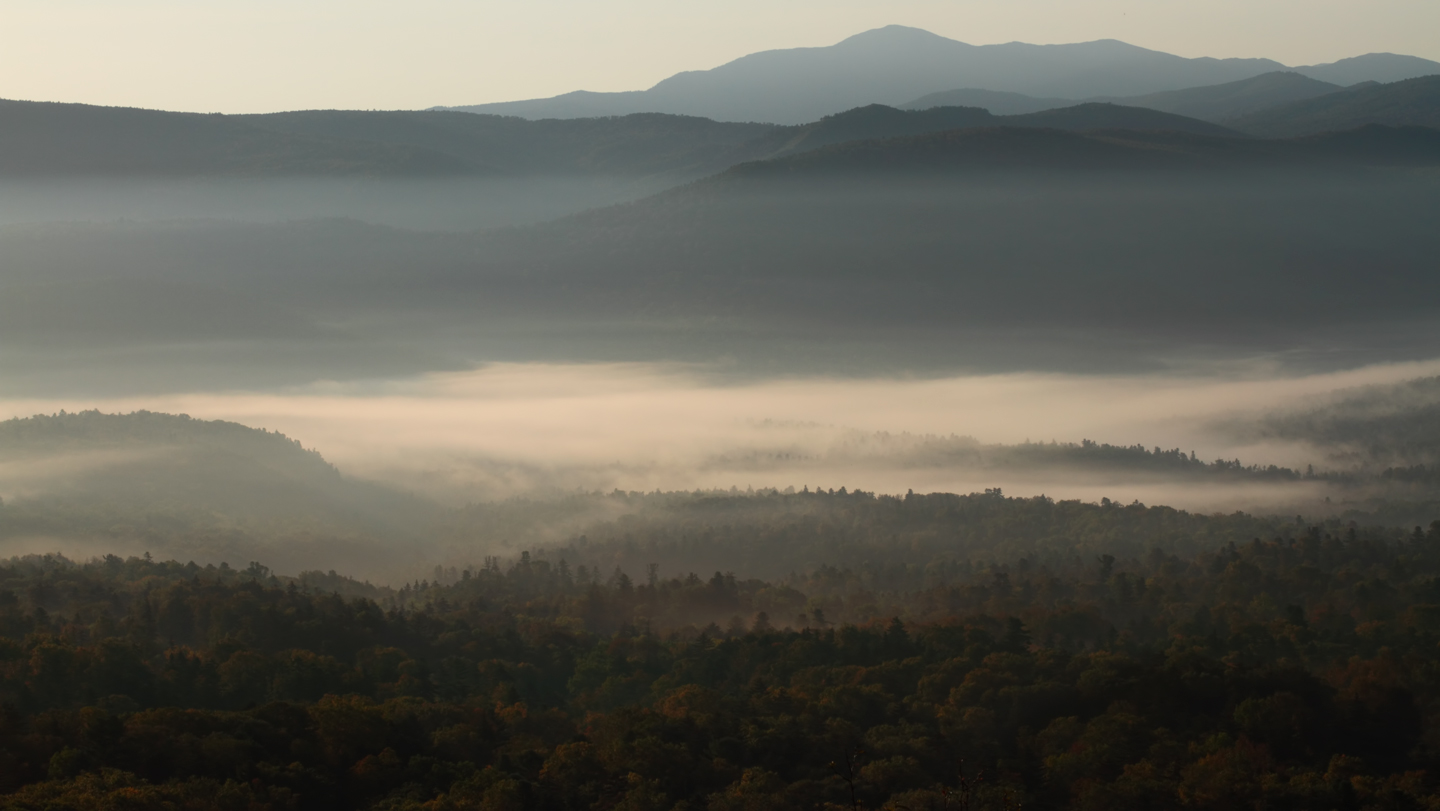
{"points": [[1413, 102], [1234, 99], [41, 138], [645, 143]]}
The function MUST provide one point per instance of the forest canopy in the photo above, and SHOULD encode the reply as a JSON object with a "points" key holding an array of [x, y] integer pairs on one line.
{"points": [[1294, 670]]}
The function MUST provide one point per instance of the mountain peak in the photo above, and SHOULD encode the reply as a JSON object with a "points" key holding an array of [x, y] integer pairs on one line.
{"points": [[896, 34]]}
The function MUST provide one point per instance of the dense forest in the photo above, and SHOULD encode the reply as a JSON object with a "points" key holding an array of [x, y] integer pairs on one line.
{"points": [[1294, 670]]}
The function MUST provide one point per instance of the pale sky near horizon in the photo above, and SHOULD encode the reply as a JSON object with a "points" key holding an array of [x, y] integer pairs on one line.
{"points": [[268, 55]]}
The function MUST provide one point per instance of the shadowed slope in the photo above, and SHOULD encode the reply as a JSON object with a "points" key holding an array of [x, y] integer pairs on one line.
{"points": [[1414, 102]]}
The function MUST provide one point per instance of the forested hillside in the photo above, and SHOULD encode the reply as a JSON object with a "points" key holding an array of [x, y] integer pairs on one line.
{"points": [[195, 488], [1292, 668]]}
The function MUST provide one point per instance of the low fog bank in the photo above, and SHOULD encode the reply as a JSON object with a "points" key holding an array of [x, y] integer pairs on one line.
{"points": [[447, 204], [424, 467], [508, 430]]}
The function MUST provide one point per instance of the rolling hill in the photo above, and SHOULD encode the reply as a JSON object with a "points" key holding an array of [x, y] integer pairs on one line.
{"points": [[207, 490], [1413, 102]]}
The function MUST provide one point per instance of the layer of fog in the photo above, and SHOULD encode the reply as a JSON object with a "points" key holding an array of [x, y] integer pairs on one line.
{"points": [[534, 429], [459, 204]]}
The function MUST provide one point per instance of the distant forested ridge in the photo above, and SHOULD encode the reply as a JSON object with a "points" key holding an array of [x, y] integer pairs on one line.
{"points": [[1413, 102], [58, 140], [44, 140], [1292, 669]]}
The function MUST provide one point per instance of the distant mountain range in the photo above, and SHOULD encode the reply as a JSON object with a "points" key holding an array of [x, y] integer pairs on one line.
{"points": [[1216, 103], [895, 65], [1282, 104]]}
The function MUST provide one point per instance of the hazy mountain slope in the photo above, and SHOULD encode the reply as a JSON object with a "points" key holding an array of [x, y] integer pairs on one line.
{"points": [[38, 138], [998, 248], [1376, 67], [866, 123], [646, 143], [997, 102], [1413, 102], [1234, 99], [894, 65]]}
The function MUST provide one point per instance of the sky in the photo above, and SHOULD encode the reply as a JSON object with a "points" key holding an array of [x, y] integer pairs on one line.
{"points": [[268, 55]]}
